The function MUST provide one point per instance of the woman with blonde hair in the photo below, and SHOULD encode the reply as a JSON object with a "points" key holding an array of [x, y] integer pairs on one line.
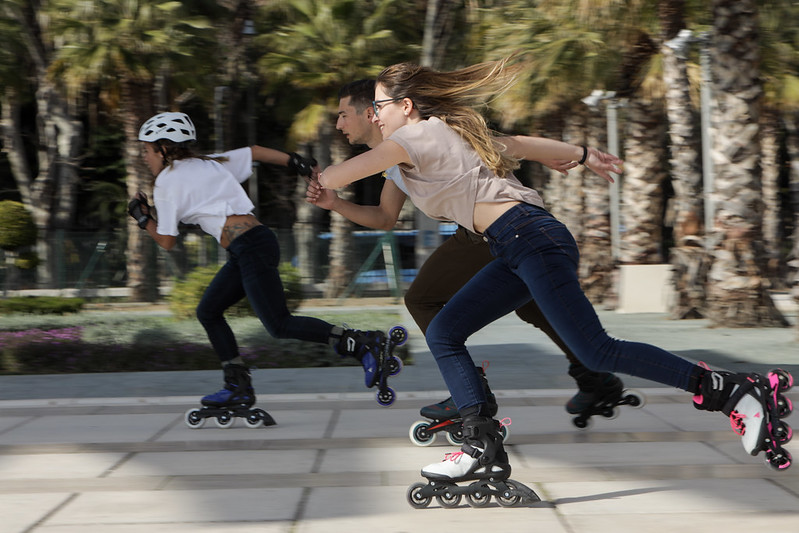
{"points": [[455, 169]]}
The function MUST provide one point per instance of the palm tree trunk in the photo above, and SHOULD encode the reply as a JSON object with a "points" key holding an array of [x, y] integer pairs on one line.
{"points": [[341, 244], [772, 231], [597, 264], [791, 121], [644, 175], [688, 257], [136, 107], [738, 288]]}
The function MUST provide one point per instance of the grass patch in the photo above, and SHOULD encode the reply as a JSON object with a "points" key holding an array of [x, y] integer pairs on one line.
{"points": [[132, 341]]}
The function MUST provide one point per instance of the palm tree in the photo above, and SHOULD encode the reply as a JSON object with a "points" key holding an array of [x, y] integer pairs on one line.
{"points": [[737, 287], [318, 47], [51, 195], [120, 45]]}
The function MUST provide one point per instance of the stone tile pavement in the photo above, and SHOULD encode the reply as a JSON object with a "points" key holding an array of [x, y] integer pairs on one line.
{"points": [[110, 452]]}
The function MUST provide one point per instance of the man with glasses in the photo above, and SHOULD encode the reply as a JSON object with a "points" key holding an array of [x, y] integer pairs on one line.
{"points": [[452, 264]]}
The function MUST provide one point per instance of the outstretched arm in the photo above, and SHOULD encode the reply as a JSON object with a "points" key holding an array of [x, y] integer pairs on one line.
{"points": [[383, 156], [383, 216], [301, 165], [541, 149]]}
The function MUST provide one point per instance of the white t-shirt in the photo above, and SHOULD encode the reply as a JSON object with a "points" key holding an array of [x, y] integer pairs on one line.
{"points": [[394, 174], [196, 191]]}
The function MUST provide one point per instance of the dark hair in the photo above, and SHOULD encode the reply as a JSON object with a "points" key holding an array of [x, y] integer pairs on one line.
{"points": [[172, 151], [361, 93]]}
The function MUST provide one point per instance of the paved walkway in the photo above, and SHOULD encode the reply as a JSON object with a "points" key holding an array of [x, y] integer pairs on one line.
{"points": [[110, 452]]}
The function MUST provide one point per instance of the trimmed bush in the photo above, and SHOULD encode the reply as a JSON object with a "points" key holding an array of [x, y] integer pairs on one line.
{"points": [[186, 293], [16, 226], [41, 305]]}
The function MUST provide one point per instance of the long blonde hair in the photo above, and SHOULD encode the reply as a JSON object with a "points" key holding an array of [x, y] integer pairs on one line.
{"points": [[452, 97]]}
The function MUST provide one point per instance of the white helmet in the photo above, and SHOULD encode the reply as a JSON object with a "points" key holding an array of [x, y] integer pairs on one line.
{"points": [[176, 127]]}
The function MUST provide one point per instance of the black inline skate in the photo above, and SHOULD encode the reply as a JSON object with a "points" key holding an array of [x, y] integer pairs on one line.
{"points": [[444, 416], [375, 351], [600, 393], [235, 399], [756, 406], [483, 461]]}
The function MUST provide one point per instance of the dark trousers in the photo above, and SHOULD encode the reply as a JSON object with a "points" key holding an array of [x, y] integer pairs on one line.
{"points": [[448, 269], [537, 257], [252, 271]]}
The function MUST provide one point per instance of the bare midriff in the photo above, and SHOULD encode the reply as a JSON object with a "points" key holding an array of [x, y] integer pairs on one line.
{"points": [[486, 213], [236, 225]]}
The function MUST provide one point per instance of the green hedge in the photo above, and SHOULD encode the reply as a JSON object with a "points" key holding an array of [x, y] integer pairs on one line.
{"points": [[186, 293], [41, 305]]}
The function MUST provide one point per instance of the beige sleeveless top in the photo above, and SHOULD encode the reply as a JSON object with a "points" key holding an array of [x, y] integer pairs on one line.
{"points": [[447, 177]]}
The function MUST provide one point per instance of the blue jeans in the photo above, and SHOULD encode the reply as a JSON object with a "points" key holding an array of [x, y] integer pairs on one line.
{"points": [[252, 271], [536, 257]]}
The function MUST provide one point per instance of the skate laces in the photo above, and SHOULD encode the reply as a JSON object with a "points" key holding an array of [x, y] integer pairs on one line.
{"points": [[737, 423], [453, 456]]}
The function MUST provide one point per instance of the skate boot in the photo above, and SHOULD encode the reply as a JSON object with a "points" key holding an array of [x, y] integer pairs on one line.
{"points": [[444, 416], [755, 405], [375, 351], [365, 346], [234, 400], [600, 393], [483, 461]]}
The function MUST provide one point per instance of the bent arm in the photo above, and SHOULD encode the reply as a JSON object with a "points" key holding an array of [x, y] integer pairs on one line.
{"points": [[167, 242], [383, 216]]}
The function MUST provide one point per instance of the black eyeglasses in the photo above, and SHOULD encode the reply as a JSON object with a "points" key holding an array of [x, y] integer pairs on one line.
{"points": [[377, 105]]}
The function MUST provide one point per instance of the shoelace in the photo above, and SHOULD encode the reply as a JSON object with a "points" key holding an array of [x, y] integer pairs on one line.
{"points": [[737, 423], [453, 456]]}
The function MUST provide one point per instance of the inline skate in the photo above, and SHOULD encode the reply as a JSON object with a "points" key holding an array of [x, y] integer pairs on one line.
{"points": [[375, 351], [756, 406], [235, 399], [444, 416], [600, 393], [483, 461]]}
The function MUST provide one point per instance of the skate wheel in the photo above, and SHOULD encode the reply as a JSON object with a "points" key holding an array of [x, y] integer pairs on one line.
{"points": [[448, 500], [582, 423], [386, 397], [784, 406], [634, 398], [415, 498], [506, 498], [783, 433], [611, 413], [779, 461], [224, 421], [479, 496], [398, 335], [193, 419], [456, 438], [420, 435], [785, 378], [394, 365], [254, 420]]}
